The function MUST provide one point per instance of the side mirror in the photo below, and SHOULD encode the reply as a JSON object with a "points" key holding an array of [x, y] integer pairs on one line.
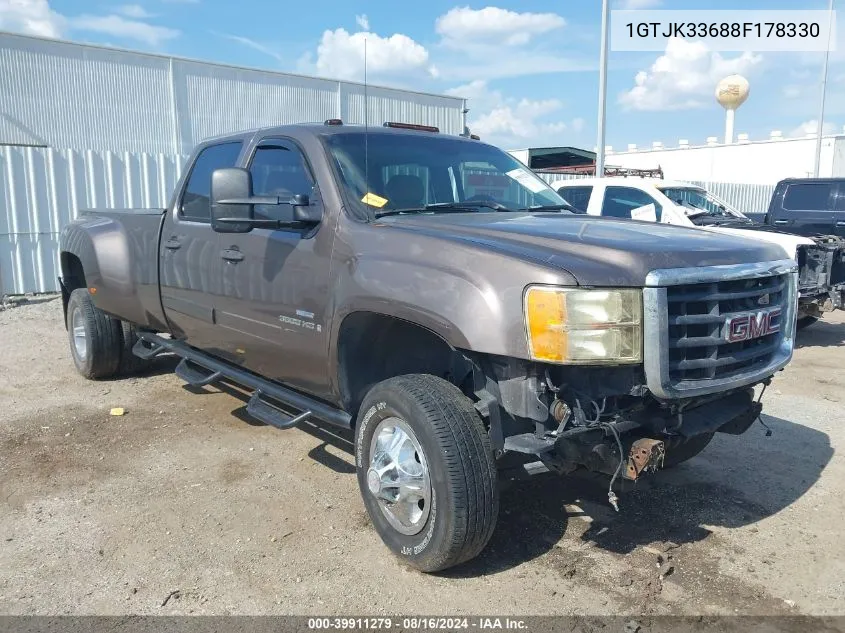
{"points": [[303, 211], [232, 209]]}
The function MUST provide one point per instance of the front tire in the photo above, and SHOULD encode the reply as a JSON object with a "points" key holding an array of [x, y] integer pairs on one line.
{"points": [[426, 471], [95, 337]]}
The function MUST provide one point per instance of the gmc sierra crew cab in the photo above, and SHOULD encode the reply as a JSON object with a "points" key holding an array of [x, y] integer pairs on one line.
{"points": [[434, 295]]}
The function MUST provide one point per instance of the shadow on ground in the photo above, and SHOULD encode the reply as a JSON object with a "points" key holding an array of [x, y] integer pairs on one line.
{"points": [[821, 334], [736, 481]]}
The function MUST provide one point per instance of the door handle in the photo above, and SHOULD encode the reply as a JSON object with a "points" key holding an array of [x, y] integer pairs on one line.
{"points": [[231, 255], [840, 223], [173, 244], [781, 221]]}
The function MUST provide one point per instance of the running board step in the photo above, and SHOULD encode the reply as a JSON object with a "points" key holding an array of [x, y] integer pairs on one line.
{"points": [[267, 413], [145, 350], [153, 345], [195, 375]]}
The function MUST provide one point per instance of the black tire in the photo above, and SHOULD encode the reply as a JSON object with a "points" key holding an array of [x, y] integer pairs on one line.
{"points": [[129, 363], [806, 321], [686, 450], [456, 447], [103, 341]]}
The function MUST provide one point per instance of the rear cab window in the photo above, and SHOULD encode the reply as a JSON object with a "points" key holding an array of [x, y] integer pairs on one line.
{"points": [[195, 205]]}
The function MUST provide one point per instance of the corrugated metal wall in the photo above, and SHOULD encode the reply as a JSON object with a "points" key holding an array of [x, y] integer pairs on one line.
{"points": [[42, 189], [68, 95], [128, 120], [745, 198]]}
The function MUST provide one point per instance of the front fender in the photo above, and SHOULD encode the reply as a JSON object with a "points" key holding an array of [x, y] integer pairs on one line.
{"points": [[468, 310]]}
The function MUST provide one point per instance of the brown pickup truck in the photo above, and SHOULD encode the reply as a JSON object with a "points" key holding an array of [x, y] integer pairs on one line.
{"points": [[433, 295]]}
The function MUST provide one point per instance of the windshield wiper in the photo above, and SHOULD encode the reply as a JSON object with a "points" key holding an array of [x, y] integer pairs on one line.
{"points": [[457, 207], [550, 207]]}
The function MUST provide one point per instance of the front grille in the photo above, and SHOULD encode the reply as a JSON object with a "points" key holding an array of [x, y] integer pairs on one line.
{"points": [[697, 320]]}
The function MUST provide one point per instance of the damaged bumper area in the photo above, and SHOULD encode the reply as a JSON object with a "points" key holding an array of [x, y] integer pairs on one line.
{"points": [[638, 442], [821, 276]]}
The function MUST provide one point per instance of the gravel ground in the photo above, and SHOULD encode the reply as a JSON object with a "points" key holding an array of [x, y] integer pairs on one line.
{"points": [[185, 505]]}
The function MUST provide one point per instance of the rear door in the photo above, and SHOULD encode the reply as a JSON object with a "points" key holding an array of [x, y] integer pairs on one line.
{"points": [[806, 208], [189, 253]]}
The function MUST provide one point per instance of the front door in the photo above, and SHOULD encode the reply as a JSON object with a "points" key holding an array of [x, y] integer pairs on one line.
{"points": [[275, 296], [189, 252]]}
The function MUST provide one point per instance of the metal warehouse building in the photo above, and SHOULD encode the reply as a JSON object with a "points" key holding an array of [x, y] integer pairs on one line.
{"points": [[84, 126]]}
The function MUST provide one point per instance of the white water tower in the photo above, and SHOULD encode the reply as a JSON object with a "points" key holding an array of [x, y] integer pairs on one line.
{"points": [[731, 93]]}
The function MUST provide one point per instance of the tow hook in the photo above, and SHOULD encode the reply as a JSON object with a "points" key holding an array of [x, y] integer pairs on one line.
{"points": [[646, 455]]}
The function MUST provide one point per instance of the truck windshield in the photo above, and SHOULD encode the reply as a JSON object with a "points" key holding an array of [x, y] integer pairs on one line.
{"points": [[697, 201], [434, 174]]}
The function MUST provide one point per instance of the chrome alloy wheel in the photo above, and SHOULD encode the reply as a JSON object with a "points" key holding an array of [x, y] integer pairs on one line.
{"points": [[398, 476], [80, 340]]}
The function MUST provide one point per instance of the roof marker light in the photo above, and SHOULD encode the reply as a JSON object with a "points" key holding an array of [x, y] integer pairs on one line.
{"points": [[411, 126]]}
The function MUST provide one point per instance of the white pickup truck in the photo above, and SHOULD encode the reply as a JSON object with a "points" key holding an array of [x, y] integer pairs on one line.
{"points": [[675, 202]]}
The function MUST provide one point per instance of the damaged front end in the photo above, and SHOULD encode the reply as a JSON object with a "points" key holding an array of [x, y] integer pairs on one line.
{"points": [[603, 419], [821, 276]]}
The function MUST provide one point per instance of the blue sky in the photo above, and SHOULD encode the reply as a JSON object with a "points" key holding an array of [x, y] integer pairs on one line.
{"points": [[528, 67]]}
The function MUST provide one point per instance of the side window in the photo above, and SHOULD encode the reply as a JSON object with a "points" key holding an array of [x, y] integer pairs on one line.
{"points": [[807, 197], [196, 199], [278, 169], [578, 197], [620, 201]]}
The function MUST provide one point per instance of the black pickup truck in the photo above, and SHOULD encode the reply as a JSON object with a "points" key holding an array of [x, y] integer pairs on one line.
{"points": [[434, 296], [813, 208]]}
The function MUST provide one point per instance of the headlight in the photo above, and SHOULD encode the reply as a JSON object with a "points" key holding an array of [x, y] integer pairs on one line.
{"points": [[584, 326]]}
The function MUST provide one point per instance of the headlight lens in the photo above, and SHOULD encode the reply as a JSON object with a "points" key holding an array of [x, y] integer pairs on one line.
{"points": [[584, 326]]}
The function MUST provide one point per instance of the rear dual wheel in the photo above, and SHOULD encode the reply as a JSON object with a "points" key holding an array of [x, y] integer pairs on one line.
{"points": [[100, 345], [426, 471]]}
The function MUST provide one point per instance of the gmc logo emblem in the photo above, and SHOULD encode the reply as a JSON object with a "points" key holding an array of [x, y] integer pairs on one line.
{"points": [[751, 325]]}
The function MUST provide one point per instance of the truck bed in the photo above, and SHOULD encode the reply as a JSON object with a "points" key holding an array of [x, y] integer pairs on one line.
{"points": [[118, 249]]}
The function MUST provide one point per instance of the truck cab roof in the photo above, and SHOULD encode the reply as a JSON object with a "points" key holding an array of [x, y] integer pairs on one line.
{"points": [[329, 129]]}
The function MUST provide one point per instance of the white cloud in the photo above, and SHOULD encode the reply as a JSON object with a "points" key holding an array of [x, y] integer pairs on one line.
{"points": [[31, 17], [340, 54], [685, 76], [363, 21], [812, 127], [135, 11], [35, 17], [462, 26], [258, 46], [182, 1], [117, 26], [638, 4], [512, 123], [495, 43]]}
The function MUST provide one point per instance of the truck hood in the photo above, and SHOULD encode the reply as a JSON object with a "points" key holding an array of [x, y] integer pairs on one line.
{"points": [[595, 251], [789, 243]]}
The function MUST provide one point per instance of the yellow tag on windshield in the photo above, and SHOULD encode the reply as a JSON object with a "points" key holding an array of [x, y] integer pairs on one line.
{"points": [[374, 201]]}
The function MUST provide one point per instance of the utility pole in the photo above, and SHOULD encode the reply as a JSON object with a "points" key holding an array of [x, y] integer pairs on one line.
{"points": [[820, 130], [605, 25]]}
